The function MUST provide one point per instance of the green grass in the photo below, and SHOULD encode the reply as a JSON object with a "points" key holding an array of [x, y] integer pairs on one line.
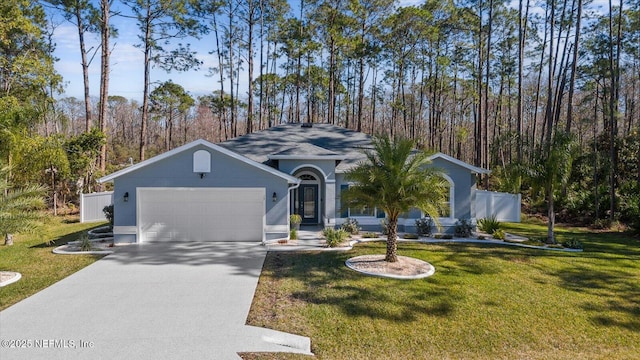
{"points": [[484, 301], [31, 256]]}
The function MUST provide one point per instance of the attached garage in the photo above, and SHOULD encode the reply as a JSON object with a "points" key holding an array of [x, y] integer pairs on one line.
{"points": [[200, 192], [200, 214]]}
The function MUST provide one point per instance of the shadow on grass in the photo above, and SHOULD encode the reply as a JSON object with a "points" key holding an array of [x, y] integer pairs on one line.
{"points": [[61, 240], [327, 281], [617, 291]]}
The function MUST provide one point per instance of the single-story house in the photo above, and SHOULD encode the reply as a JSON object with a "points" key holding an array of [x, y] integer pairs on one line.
{"points": [[245, 189]]}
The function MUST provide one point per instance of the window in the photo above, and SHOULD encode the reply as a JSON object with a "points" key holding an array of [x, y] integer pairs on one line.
{"points": [[348, 212], [447, 208]]}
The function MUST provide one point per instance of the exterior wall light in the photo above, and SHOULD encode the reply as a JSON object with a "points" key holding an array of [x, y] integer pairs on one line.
{"points": [[126, 196], [274, 197]]}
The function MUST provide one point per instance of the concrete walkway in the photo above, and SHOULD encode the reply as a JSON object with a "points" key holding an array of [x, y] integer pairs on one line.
{"points": [[174, 301]]}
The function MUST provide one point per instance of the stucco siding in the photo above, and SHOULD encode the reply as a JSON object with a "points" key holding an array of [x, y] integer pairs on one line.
{"points": [[177, 171], [462, 180]]}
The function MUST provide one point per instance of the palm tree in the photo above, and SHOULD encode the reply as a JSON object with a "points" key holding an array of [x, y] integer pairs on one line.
{"points": [[550, 173], [18, 208], [395, 178]]}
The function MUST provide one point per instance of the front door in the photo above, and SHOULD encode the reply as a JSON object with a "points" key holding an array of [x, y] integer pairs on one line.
{"points": [[308, 203]]}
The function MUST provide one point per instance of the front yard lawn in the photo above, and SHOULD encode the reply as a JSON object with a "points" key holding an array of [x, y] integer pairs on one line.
{"points": [[32, 257], [484, 302]]}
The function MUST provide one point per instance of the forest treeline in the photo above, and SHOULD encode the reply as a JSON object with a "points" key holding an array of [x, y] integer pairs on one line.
{"points": [[545, 94]]}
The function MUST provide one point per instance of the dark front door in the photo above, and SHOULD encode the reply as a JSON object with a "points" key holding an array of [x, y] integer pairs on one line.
{"points": [[308, 203]]}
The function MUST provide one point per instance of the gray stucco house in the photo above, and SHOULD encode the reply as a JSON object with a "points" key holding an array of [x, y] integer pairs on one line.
{"points": [[245, 189]]}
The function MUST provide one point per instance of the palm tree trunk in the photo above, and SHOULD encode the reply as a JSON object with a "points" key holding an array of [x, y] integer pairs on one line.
{"points": [[552, 217], [392, 241]]}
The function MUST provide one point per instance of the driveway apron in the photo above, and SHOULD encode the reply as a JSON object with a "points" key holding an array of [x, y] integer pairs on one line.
{"points": [[154, 301]]}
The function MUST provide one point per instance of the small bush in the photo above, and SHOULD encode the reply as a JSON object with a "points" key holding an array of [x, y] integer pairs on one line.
{"points": [[463, 228], [351, 226], [295, 219], [572, 244], [85, 243], [411, 236], [489, 225], [369, 235], [424, 226], [293, 234], [499, 234], [108, 213], [334, 237]]}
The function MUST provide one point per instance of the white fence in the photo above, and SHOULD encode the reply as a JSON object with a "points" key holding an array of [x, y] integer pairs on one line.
{"points": [[91, 206], [504, 206]]}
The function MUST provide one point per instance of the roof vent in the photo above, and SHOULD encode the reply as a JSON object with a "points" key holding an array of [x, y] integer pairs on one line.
{"points": [[307, 125]]}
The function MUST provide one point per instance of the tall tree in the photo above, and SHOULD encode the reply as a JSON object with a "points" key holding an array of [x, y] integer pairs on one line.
{"points": [[169, 100], [395, 178], [160, 21], [81, 13]]}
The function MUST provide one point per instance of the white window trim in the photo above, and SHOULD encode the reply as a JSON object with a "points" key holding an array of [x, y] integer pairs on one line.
{"points": [[375, 209]]}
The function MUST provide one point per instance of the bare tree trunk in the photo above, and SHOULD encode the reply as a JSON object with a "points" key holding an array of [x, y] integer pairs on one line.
{"points": [[104, 78], [85, 68], [250, 23], [574, 66], [145, 95]]}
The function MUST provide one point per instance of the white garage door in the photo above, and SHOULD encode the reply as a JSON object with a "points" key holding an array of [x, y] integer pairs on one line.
{"points": [[200, 214]]}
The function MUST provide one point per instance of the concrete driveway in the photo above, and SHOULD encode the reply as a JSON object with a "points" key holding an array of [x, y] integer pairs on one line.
{"points": [[174, 301]]}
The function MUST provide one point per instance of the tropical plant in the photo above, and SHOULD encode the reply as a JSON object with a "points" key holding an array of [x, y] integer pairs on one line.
{"points": [[395, 178], [499, 234], [295, 219], [351, 226], [19, 208], [550, 173], [334, 237], [489, 224]]}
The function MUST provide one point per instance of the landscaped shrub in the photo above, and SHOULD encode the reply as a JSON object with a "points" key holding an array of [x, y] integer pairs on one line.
{"points": [[293, 234], [295, 219], [489, 225], [463, 228], [572, 244], [411, 236], [369, 235], [85, 243], [499, 234], [351, 226], [424, 226], [334, 237], [108, 213]]}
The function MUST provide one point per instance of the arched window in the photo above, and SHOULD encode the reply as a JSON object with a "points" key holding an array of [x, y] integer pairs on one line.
{"points": [[448, 207]]}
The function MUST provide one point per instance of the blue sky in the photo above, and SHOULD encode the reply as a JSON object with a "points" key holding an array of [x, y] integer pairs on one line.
{"points": [[127, 70], [127, 61]]}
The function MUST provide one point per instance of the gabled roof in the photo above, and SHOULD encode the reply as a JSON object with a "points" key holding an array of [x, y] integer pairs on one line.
{"points": [[473, 169], [191, 145]]}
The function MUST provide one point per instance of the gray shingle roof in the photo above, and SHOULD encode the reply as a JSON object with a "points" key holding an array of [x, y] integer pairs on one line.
{"points": [[293, 139]]}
